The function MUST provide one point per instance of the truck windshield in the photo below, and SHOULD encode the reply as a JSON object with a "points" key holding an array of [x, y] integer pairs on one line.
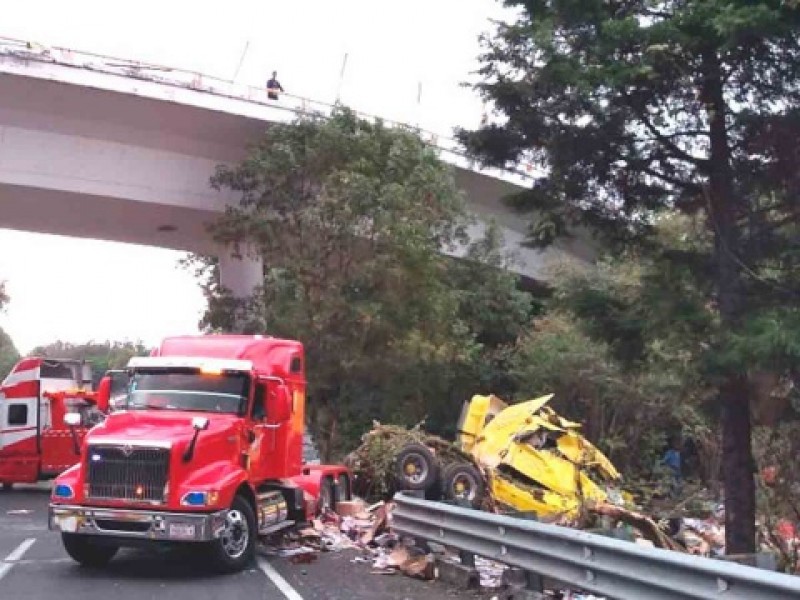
{"points": [[189, 390]]}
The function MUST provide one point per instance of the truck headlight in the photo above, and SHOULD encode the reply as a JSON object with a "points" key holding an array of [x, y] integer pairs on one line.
{"points": [[62, 490], [198, 498]]}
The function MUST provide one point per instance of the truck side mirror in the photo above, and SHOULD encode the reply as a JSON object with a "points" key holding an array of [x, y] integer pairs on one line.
{"points": [[103, 396], [279, 402], [73, 420]]}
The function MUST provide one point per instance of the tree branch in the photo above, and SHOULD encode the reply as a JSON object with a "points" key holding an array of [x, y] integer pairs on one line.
{"points": [[688, 133], [665, 140], [642, 166], [768, 227], [688, 185]]}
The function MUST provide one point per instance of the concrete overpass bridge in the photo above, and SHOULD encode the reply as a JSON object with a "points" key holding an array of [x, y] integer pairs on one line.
{"points": [[104, 148]]}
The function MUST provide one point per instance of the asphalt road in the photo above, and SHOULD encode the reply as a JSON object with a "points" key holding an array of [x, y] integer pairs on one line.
{"points": [[34, 566]]}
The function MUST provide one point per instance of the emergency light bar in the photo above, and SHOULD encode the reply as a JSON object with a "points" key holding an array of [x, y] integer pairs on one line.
{"points": [[206, 365]]}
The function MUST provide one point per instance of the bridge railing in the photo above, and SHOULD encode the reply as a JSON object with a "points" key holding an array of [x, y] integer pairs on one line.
{"points": [[290, 103]]}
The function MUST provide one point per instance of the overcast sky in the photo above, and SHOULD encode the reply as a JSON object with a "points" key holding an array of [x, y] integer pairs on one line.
{"points": [[392, 47]]}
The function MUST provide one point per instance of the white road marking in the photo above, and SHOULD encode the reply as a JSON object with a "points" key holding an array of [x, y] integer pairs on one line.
{"points": [[14, 556], [275, 577]]}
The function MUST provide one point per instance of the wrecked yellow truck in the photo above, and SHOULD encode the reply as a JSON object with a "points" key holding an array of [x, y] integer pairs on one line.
{"points": [[533, 459], [522, 457]]}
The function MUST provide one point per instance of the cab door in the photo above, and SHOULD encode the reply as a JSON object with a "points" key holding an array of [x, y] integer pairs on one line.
{"points": [[269, 423], [19, 439], [258, 435]]}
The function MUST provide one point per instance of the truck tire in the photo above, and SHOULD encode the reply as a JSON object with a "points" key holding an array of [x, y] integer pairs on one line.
{"points": [[462, 482], [235, 548], [86, 551], [7, 486], [416, 468]]}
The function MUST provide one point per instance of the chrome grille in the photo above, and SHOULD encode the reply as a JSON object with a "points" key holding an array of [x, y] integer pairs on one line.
{"points": [[127, 473]]}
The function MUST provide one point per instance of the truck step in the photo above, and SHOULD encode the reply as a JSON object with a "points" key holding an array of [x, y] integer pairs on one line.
{"points": [[276, 527]]}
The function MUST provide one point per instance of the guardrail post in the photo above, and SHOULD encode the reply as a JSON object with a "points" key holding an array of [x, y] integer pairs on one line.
{"points": [[462, 574], [467, 558], [534, 582]]}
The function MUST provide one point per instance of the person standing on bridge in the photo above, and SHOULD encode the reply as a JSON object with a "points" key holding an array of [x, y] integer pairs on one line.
{"points": [[273, 86]]}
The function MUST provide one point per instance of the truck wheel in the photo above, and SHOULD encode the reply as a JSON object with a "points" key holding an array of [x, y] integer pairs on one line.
{"points": [[236, 546], [327, 497], [416, 468], [85, 551], [7, 486], [463, 482]]}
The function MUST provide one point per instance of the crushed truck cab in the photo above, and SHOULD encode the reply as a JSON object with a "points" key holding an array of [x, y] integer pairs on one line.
{"points": [[535, 460], [206, 448]]}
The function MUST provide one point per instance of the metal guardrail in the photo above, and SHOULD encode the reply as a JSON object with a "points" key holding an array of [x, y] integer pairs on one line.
{"points": [[594, 563], [200, 82]]}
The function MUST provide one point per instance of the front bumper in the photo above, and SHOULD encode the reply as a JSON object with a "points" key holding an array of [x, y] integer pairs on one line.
{"points": [[136, 524]]}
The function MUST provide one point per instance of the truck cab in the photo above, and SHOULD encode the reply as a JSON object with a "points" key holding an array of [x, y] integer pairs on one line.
{"points": [[35, 444], [206, 448]]}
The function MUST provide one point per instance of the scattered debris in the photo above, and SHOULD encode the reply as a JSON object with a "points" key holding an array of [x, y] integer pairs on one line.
{"points": [[351, 508], [490, 572], [647, 527], [522, 460]]}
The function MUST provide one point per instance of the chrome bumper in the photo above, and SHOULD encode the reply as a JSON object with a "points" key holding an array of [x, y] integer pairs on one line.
{"points": [[136, 524]]}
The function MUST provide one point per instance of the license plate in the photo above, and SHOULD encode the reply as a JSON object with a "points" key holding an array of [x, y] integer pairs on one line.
{"points": [[182, 531]]}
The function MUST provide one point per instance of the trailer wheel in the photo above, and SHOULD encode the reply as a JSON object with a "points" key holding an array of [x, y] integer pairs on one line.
{"points": [[463, 482], [85, 551], [416, 468], [236, 546]]}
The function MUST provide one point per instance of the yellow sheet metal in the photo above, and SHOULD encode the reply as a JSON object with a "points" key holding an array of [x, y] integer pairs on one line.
{"points": [[541, 502], [500, 431], [474, 416], [581, 451], [561, 470]]}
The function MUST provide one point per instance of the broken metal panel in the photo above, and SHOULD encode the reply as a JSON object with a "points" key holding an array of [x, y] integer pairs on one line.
{"points": [[526, 498], [548, 452], [580, 450]]}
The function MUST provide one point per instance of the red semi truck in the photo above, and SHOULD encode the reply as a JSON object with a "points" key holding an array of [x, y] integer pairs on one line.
{"points": [[207, 449], [35, 444]]}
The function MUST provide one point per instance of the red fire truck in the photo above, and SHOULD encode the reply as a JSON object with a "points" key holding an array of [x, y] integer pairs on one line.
{"points": [[207, 450], [35, 443]]}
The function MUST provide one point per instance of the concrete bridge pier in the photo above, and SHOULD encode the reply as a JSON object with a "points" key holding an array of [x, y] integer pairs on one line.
{"points": [[240, 273]]}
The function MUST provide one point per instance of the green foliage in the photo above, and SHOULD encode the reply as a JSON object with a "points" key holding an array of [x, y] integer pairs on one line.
{"points": [[632, 390], [3, 295], [8, 354], [102, 356], [769, 339], [350, 218], [634, 109]]}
